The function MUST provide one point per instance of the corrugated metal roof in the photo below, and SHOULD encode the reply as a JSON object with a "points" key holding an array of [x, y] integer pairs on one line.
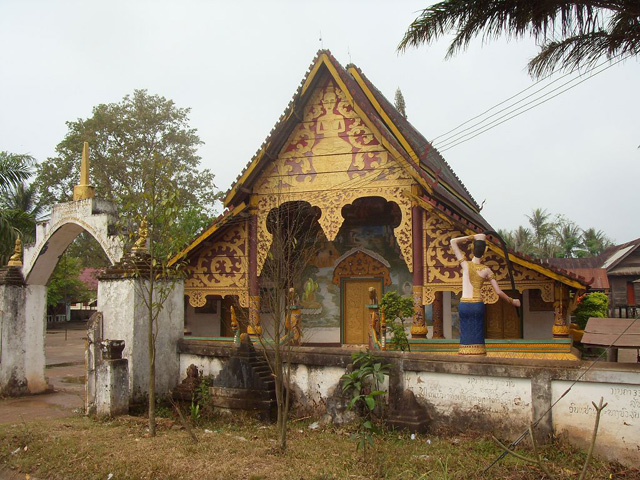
{"points": [[596, 277], [618, 255], [619, 332]]}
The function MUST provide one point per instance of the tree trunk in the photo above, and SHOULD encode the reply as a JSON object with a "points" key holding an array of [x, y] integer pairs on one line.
{"points": [[152, 362]]}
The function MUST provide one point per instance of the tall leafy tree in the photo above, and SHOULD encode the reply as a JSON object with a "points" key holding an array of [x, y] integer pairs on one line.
{"points": [[143, 136], [571, 34]]}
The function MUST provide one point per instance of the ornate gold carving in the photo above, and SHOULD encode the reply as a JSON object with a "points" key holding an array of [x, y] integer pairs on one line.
{"points": [[478, 349], [419, 326], [220, 269], [254, 327], [361, 264], [331, 203], [198, 298], [547, 292], [222, 266], [329, 160], [442, 270], [488, 294]]}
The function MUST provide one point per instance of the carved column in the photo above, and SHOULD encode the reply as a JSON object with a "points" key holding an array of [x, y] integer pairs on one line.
{"points": [[438, 316], [560, 328], [254, 327], [419, 327]]}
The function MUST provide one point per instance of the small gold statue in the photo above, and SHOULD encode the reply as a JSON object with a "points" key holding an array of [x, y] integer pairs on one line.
{"points": [[141, 242], [16, 258]]}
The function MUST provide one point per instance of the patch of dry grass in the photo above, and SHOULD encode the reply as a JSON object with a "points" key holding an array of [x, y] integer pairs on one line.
{"points": [[80, 447]]}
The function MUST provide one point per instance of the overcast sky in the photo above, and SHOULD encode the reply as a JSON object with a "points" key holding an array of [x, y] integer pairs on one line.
{"points": [[237, 65]]}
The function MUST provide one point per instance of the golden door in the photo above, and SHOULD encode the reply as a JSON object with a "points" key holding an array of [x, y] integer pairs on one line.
{"points": [[502, 321], [356, 315]]}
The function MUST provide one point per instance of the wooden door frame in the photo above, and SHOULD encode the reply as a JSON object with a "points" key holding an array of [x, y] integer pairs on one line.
{"points": [[342, 292]]}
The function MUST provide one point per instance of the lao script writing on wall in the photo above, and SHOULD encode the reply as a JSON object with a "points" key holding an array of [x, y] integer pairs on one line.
{"points": [[488, 396], [619, 421]]}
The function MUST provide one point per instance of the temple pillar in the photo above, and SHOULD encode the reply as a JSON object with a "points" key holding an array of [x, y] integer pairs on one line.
{"points": [[254, 327], [438, 315], [560, 327], [418, 327]]}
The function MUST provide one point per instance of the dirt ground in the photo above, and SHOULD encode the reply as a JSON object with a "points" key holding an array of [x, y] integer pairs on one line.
{"points": [[64, 353]]}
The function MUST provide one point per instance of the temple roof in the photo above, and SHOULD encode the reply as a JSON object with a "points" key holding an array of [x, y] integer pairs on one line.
{"points": [[444, 191], [405, 143]]}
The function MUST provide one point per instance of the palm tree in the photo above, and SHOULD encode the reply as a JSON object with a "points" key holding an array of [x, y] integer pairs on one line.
{"points": [[594, 241], [542, 231], [571, 34], [14, 219], [523, 241], [568, 237], [14, 169]]}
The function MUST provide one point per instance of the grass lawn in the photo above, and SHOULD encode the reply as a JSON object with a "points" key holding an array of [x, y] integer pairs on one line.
{"points": [[84, 448]]}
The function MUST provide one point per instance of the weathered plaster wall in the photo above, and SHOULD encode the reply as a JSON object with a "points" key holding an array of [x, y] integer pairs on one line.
{"points": [[206, 364], [12, 330], [315, 384], [202, 324], [575, 416], [486, 394], [35, 329], [537, 325], [473, 400], [125, 317]]}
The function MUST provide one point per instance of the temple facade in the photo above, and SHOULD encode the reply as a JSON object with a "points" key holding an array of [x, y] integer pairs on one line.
{"points": [[382, 204]]}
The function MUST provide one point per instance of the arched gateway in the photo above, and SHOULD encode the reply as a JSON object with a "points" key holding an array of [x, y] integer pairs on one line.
{"points": [[23, 290]]}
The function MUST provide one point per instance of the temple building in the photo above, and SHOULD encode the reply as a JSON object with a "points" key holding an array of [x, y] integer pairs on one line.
{"points": [[383, 204]]}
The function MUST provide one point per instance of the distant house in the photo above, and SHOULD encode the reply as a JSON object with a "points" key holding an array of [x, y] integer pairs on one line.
{"points": [[616, 271]]}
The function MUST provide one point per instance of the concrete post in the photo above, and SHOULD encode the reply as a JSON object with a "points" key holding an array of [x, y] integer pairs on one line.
{"points": [[35, 332], [12, 331], [112, 380]]}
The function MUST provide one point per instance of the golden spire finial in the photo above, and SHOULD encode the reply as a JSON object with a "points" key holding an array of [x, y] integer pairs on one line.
{"points": [[16, 258], [84, 189], [143, 234]]}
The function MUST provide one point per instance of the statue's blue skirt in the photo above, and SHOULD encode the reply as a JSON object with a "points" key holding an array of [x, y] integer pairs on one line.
{"points": [[471, 323]]}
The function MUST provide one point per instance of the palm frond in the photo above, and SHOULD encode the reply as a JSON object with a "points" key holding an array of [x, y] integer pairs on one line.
{"points": [[14, 169], [573, 34]]}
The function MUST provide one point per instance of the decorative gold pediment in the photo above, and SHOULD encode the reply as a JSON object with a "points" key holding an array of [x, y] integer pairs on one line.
{"points": [[331, 159], [359, 263], [223, 264]]}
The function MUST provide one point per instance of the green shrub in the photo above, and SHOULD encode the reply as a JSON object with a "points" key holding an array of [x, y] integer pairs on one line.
{"points": [[396, 309], [594, 304], [364, 384]]}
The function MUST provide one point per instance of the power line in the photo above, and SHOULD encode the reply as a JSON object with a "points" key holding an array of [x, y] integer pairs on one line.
{"points": [[454, 140], [493, 124], [504, 101]]}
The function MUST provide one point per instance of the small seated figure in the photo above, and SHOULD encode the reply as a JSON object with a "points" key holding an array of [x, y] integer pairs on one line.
{"points": [[471, 308], [185, 390]]}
